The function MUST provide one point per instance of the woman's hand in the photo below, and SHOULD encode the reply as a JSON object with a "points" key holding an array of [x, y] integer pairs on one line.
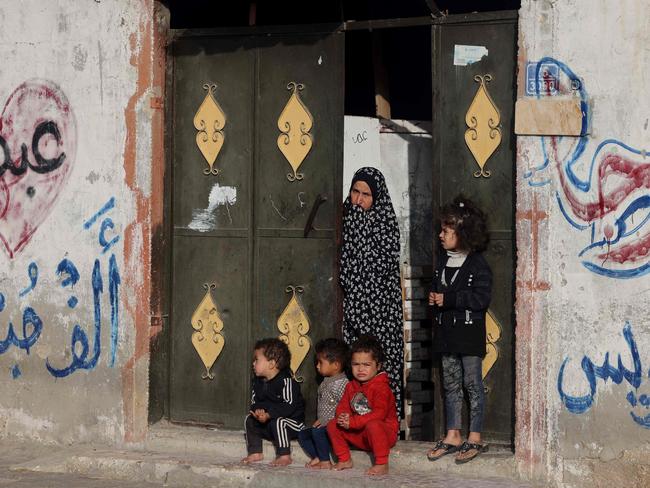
{"points": [[436, 298], [316, 423]]}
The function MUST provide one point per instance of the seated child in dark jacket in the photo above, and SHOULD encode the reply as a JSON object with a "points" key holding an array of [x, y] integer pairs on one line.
{"points": [[277, 411], [332, 358], [366, 416]]}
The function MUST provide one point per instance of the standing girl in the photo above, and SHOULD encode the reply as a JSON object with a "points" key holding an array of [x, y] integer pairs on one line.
{"points": [[369, 272], [460, 295]]}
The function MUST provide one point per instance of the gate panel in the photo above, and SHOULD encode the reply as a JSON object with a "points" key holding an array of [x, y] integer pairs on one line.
{"points": [[211, 228], [457, 77], [284, 256], [243, 229]]}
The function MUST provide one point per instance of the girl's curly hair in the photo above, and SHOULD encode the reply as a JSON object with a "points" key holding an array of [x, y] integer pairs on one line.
{"points": [[469, 223]]}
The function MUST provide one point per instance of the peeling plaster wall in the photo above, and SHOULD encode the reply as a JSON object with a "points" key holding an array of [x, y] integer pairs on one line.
{"points": [[83, 79], [583, 240]]}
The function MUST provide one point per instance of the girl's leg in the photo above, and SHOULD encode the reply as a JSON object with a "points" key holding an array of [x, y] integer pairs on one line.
{"points": [[473, 381], [379, 438], [452, 382]]}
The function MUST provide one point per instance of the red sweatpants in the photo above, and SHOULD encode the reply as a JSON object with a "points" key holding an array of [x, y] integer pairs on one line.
{"points": [[376, 436]]}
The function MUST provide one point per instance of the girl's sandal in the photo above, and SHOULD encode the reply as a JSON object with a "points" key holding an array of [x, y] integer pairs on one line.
{"points": [[446, 449], [469, 451]]}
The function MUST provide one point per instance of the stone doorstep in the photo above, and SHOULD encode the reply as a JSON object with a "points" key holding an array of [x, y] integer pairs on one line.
{"points": [[172, 471], [195, 456]]}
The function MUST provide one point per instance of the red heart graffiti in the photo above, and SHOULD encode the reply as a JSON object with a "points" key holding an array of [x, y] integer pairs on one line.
{"points": [[37, 150]]}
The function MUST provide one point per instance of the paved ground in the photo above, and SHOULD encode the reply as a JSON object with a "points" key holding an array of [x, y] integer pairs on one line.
{"points": [[13, 453]]}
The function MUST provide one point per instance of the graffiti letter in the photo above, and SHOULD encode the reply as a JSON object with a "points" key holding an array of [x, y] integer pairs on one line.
{"points": [[45, 165], [32, 271], [113, 289], [68, 268], [106, 224], [578, 404], [79, 361]]}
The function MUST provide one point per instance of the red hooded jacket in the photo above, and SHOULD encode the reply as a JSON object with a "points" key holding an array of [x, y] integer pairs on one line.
{"points": [[372, 400]]}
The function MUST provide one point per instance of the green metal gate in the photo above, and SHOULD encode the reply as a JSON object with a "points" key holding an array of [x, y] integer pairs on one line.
{"points": [[474, 62], [257, 128]]}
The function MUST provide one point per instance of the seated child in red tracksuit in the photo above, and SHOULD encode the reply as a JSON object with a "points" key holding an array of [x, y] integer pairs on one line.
{"points": [[366, 416]]}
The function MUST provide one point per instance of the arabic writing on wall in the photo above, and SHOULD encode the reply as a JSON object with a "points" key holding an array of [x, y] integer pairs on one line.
{"points": [[68, 276], [617, 373]]}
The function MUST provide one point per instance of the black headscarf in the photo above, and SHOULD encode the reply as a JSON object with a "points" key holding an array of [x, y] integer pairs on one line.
{"points": [[369, 274]]}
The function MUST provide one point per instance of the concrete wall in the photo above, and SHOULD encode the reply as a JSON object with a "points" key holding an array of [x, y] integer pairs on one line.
{"points": [[82, 88], [583, 236], [401, 150]]}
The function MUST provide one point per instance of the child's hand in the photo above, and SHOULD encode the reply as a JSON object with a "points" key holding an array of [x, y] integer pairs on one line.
{"points": [[261, 415], [343, 420], [316, 423]]}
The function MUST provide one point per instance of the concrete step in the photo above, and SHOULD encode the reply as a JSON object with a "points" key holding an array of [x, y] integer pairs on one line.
{"points": [[405, 456], [202, 471], [176, 455]]}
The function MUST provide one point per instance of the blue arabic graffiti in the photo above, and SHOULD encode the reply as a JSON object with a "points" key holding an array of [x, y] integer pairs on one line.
{"points": [[79, 337], [113, 290], [618, 373], [71, 276], [32, 271], [589, 204], [110, 204], [15, 371], [26, 341], [32, 325], [106, 225]]}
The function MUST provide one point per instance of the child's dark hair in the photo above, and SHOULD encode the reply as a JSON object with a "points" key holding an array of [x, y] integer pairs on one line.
{"points": [[469, 223], [275, 350], [334, 350], [368, 343]]}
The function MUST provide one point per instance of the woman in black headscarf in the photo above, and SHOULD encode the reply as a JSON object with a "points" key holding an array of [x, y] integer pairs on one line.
{"points": [[372, 293]]}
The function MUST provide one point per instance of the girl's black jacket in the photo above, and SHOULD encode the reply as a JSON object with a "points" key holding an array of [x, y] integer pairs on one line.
{"points": [[459, 325], [279, 396]]}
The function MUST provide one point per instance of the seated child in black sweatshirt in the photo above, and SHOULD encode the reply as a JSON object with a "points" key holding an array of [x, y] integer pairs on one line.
{"points": [[277, 411]]}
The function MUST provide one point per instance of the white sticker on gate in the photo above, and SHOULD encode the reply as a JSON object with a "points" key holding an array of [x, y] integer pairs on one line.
{"points": [[464, 55]]}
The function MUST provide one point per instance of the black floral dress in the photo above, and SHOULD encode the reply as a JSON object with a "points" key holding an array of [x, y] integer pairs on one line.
{"points": [[370, 278]]}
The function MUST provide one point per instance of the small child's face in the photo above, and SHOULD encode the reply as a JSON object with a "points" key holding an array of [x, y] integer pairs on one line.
{"points": [[448, 238], [364, 366], [327, 368], [262, 366]]}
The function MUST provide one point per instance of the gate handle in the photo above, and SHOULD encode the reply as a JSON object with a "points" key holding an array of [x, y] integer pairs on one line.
{"points": [[309, 226]]}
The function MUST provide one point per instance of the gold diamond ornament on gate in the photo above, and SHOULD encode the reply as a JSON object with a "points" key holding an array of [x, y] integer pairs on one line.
{"points": [[294, 326], [207, 338], [483, 135]]}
